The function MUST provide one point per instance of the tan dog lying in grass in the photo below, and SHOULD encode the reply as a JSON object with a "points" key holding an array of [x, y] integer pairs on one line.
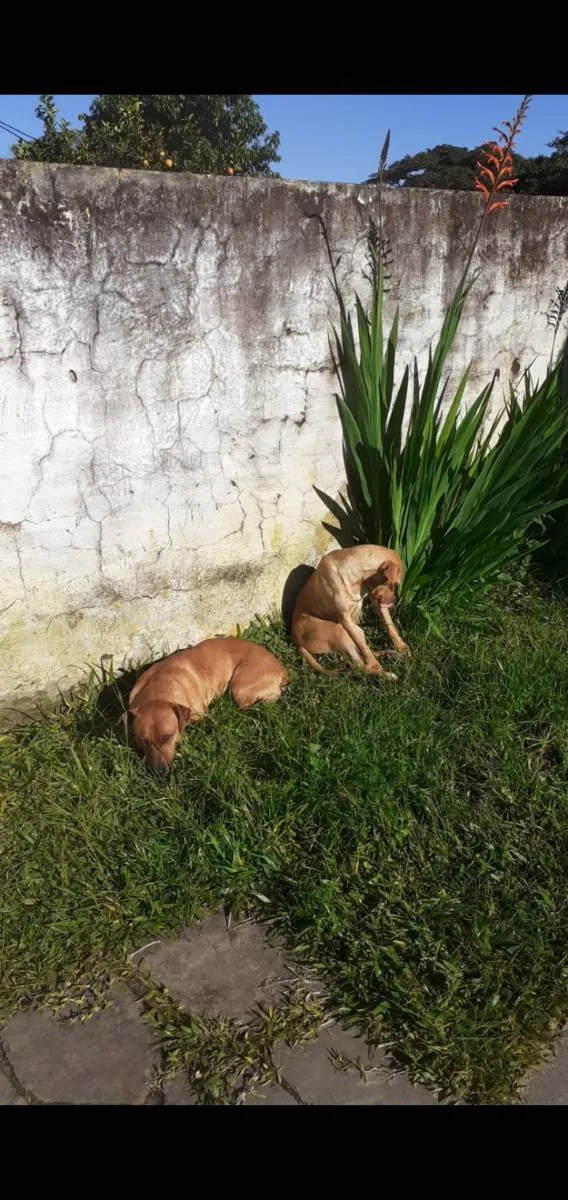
{"points": [[329, 606], [180, 689]]}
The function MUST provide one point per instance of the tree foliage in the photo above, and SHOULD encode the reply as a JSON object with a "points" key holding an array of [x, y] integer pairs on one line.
{"points": [[453, 168], [204, 134]]}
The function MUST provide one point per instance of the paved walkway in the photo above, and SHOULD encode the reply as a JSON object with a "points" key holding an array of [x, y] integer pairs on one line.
{"points": [[113, 1057]]}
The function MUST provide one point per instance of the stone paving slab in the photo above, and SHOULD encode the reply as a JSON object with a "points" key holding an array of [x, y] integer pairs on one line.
{"points": [[269, 1094], [315, 1074], [215, 972], [111, 1058], [176, 1090], [105, 1060], [549, 1084], [8, 1094]]}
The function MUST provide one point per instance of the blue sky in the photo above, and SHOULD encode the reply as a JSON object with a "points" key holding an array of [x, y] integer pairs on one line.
{"points": [[338, 138]]}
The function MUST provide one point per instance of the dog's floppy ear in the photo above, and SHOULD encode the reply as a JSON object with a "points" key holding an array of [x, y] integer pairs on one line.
{"points": [[182, 714], [379, 577], [390, 571], [395, 571]]}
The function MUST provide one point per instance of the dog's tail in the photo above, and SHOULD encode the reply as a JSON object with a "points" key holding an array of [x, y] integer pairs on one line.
{"points": [[313, 662]]}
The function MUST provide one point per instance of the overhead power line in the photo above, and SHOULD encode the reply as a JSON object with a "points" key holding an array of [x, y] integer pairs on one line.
{"points": [[11, 129]]}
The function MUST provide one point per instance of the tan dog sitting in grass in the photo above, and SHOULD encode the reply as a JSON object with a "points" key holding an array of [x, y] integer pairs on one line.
{"points": [[329, 605], [180, 688]]}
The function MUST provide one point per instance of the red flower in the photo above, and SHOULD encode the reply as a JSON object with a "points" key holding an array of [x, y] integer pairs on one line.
{"points": [[498, 168]]}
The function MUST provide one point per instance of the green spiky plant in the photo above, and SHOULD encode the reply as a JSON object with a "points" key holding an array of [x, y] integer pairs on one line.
{"points": [[551, 558], [451, 500]]}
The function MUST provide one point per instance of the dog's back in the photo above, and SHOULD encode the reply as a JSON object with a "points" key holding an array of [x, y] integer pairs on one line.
{"points": [[336, 573], [196, 676], [179, 689], [318, 596], [329, 605]]}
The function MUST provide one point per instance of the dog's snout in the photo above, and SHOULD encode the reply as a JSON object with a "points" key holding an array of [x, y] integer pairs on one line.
{"points": [[161, 768]]}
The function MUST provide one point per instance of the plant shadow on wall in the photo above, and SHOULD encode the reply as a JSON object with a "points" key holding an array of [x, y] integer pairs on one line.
{"points": [[459, 496], [551, 557]]}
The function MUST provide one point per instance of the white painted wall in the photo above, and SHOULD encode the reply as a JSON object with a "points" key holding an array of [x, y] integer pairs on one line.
{"points": [[166, 399]]}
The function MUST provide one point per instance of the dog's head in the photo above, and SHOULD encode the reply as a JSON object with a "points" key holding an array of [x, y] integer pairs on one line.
{"points": [[155, 728], [383, 586]]}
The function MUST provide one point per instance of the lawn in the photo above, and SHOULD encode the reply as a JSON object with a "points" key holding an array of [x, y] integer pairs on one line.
{"points": [[411, 839]]}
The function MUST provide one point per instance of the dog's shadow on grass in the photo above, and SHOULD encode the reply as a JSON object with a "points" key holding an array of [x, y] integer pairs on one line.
{"points": [[110, 703]]}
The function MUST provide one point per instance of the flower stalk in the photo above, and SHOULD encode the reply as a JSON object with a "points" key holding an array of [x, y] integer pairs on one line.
{"points": [[494, 177]]}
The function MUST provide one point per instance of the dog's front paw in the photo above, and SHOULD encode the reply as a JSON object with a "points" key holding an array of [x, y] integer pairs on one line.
{"points": [[404, 649], [389, 675]]}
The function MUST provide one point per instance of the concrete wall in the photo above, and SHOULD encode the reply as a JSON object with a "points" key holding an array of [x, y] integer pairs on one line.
{"points": [[166, 397]]}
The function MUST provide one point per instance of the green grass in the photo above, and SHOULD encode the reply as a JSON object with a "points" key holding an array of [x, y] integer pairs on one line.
{"points": [[221, 1059], [411, 839]]}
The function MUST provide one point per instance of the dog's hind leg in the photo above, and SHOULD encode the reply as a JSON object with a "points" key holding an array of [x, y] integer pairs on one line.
{"points": [[247, 688], [313, 662], [329, 637], [325, 637]]}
